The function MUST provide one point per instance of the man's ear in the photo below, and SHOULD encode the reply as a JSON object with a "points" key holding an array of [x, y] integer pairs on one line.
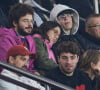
{"points": [[77, 58], [11, 60], [92, 65], [58, 58], [14, 23], [86, 29]]}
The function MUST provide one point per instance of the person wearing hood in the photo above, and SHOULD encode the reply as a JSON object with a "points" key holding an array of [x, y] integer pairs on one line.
{"points": [[68, 18]]}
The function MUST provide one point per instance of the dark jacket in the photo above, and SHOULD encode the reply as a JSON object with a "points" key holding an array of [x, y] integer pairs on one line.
{"points": [[87, 41], [77, 80], [66, 38]]}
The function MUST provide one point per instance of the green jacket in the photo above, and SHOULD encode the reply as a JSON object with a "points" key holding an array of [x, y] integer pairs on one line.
{"points": [[43, 64]]}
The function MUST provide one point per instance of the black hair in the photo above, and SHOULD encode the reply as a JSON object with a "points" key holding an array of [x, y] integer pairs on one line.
{"points": [[46, 26], [68, 47]]}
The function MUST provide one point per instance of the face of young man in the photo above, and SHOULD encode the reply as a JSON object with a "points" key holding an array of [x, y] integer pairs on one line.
{"points": [[54, 34], [25, 25], [65, 21], [20, 61], [94, 27], [68, 63]]}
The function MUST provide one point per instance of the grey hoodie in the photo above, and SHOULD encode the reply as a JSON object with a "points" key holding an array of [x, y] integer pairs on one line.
{"points": [[58, 8]]}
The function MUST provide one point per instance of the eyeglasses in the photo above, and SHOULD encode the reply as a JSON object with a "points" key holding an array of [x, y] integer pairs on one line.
{"points": [[28, 21], [96, 25], [65, 15]]}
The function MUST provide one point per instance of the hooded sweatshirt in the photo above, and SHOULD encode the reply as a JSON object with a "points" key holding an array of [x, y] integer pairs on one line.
{"points": [[60, 8]]}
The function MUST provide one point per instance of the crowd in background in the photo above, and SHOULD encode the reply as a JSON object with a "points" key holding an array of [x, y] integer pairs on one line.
{"points": [[62, 38]]}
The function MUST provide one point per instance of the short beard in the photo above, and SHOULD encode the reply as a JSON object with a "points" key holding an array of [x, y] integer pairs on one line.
{"points": [[23, 33], [64, 71]]}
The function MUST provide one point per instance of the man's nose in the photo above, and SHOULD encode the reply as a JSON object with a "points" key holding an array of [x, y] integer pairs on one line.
{"points": [[57, 36], [26, 64], [30, 23], [69, 60]]}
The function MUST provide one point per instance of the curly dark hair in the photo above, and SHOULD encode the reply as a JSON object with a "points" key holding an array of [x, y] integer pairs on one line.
{"points": [[68, 47], [17, 11]]}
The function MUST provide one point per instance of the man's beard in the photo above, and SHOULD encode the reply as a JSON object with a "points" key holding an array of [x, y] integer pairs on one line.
{"points": [[65, 71], [22, 32]]}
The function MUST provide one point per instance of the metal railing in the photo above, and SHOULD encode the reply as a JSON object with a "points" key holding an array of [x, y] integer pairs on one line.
{"points": [[16, 82], [47, 82]]}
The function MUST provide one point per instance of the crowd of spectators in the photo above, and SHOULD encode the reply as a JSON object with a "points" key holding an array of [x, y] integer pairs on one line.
{"points": [[58, 39]]}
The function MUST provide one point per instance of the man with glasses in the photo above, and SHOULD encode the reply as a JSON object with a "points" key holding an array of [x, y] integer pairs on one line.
{"points": [[21, 23], [67, 73], [91, 38], [67, 17]]}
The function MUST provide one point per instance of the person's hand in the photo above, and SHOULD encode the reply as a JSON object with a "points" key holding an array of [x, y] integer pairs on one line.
{"points": [[37, 73]]}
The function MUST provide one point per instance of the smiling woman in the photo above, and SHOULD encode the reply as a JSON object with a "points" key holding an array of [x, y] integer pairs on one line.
{"points": [[47, 34]]}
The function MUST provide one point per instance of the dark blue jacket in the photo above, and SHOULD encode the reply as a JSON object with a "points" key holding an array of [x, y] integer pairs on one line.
{"points": [[87, 41]]}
